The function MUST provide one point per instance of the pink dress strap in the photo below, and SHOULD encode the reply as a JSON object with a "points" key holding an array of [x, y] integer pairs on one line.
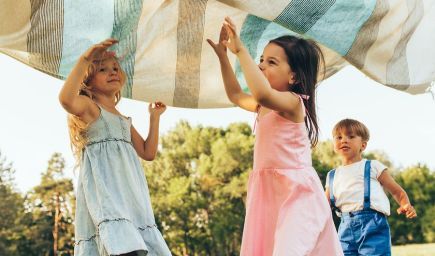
{"points": [[257, 112]]}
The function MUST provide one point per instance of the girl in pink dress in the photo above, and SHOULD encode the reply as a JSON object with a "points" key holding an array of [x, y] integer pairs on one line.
{"points": [[286, 212]]}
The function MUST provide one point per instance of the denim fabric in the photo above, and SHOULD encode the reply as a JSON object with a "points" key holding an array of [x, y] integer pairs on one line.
{"points": [[114, 214], [365, 232]]}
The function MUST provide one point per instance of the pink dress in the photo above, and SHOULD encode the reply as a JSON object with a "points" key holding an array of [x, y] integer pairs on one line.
{"points": [[287, 212]]}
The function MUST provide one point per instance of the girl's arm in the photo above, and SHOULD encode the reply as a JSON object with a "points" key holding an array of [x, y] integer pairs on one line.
{"points": [[398, 194], [259, 86], [147, 149], [232, 86], [69, 97]]}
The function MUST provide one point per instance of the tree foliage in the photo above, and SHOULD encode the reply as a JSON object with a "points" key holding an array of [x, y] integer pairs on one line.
{"points": [[12, 208], [51, 203], [198, 186]]}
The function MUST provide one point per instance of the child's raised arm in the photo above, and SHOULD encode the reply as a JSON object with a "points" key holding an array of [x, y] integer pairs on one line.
{"points": [[258, 84], [232, 86], [398, 194], [69, 95], [147, 149]]}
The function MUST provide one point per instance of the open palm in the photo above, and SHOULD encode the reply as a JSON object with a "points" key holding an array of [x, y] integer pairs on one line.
{"points": [[98, 51]]}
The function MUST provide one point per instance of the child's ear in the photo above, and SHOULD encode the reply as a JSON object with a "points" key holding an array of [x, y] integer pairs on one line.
{"points": [[292, 78], [363, 146]]}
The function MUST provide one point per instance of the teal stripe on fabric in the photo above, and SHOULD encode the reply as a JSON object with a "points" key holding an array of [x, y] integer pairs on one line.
{"points": [[338, 28], [252, 29], [301, 15], [127, 15], [256, 34], [85, 23]]}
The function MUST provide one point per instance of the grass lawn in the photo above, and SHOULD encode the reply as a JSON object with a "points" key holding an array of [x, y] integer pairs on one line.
{"points": [[414, 250]]}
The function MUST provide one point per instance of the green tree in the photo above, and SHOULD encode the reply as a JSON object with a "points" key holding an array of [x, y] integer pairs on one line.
{"points": [[198, 187], [52, 203], [12, 208], [419, 183]]}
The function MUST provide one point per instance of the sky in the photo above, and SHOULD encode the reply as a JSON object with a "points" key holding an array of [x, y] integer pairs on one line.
{"points": [[33, 124]]}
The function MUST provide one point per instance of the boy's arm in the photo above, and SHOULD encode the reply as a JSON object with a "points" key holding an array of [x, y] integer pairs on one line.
{"points": [[327, 195], [398, 194]]}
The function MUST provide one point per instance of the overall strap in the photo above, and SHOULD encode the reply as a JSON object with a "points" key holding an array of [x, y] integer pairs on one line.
{"points": [[367, 185], [331, 190]]}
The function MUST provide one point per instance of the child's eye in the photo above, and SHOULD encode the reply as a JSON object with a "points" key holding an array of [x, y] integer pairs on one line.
{"points": [[102, 69], [261, 60], [271, 62]]}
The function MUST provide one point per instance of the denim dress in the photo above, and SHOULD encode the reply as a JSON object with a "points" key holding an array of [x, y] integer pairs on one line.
{"points": [[113, 212]]}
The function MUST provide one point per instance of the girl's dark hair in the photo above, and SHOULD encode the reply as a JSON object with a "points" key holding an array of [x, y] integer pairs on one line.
{"points": [[305, 59]]}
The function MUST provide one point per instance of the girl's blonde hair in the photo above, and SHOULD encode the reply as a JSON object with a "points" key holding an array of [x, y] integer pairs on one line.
{"points": [[77, 127]]}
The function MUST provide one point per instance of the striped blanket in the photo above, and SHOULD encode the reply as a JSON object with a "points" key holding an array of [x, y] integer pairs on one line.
{"points": [[163, 50]]}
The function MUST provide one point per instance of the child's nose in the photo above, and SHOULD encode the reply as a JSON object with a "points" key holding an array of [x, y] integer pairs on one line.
{"points": [[261, 67]]}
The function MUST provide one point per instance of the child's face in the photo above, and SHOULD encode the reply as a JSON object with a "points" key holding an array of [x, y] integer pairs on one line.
{"points": [[348, 145], [107, 78], [274, 65]]}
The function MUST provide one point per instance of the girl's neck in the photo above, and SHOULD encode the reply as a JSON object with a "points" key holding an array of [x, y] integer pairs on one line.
{"points": [[107, 102], [351, 160]]}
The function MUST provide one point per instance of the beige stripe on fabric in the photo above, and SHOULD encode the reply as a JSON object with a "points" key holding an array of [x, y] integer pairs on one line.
{"points": [[421, 59], [212, 92], [156, 40], [397, 68], [190, 31], [13, 31], [367, 35], [389, 33], [44, 40]]}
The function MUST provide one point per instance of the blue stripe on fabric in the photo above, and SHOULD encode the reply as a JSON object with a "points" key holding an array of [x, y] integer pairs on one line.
{"points": [[127, 15], [338, 28], [85, 23], [256, 34]]}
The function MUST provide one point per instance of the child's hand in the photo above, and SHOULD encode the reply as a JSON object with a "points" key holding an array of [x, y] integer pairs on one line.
{"points": [[97, 51], [156, 108], [408, 210], [219, 48], [234, 43]]}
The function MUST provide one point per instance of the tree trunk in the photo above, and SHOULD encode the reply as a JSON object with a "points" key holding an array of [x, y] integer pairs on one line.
{"points": [[56, 225]]}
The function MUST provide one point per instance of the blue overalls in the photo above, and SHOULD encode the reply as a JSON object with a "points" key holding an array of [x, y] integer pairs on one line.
{"points": [[364, 232]]}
